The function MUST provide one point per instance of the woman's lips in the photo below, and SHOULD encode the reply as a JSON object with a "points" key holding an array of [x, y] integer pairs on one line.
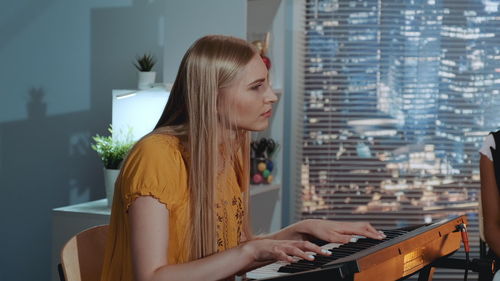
{"points": [[267, 114]]}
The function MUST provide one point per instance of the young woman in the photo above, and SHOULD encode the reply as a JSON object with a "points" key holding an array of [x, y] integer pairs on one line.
{"points": [[180, 210]]}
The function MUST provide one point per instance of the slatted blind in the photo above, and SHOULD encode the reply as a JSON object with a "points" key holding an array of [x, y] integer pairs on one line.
{"points": [[396, 100]]}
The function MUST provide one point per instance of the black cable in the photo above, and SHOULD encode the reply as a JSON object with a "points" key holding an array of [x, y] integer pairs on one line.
{"points": [[465, 240], [466, 265]]}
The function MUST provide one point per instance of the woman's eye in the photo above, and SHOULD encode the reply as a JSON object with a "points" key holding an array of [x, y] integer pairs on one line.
{"points": [[256, 87]]}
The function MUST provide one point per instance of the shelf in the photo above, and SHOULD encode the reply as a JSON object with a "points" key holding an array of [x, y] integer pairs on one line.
{"points": [[262, 188], [98, 207]]}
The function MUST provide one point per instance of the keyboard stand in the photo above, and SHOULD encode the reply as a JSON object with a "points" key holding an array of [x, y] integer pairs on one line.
{"points": [[483, 266], [426, 273]]}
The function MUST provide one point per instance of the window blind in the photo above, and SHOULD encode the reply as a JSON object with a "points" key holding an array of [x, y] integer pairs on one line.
{"points": [[396, 100]]}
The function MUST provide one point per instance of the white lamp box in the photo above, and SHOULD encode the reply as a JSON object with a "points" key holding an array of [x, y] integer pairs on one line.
{"points": [[138, 111]]}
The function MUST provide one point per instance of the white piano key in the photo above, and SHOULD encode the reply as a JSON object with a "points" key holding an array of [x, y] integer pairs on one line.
{"points": [[355, 238]]}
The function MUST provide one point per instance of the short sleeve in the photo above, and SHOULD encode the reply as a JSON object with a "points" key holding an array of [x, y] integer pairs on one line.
{"points": [[154, 168], [489, 141]]}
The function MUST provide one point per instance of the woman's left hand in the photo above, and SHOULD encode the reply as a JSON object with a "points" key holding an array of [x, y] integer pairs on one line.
{"points": [[330, 231]]}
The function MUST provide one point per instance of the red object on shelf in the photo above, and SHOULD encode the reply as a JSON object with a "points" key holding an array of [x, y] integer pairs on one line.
{"points": [[266, 61], [257, 178]]}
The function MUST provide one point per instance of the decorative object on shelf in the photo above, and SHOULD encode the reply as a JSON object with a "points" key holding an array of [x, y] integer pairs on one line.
{"points": [[112, 151], [146, 77], [263, 46], [262, 166]]}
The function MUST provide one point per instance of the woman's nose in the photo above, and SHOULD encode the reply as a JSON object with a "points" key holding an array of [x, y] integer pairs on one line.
{"points": [[271, 97]]}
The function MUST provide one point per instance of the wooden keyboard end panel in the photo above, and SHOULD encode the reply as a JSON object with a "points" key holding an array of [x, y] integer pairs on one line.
{"points": [[407, 258]]}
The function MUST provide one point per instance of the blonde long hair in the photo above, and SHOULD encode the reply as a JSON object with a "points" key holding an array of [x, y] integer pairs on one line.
{"points": [[211, 63]]}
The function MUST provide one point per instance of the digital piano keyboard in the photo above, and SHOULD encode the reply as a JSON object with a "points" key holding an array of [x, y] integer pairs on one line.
{"points": [[402, 253]]}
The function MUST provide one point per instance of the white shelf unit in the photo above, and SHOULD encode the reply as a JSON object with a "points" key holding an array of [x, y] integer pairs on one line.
{"points": [[138, 110]]}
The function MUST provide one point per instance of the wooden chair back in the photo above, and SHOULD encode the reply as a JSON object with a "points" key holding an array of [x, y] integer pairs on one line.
{"points": [[83, 255]]}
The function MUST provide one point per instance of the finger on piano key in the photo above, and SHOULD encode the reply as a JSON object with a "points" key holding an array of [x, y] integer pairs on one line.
{"points": [[355, 238], [272, 270], [326, 252], [327, 247], [330, 246]]}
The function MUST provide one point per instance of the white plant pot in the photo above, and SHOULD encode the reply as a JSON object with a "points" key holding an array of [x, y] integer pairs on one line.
{"points": [[110, 176], [146, 80]]}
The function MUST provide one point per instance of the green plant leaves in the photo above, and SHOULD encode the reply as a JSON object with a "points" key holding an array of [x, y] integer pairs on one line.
{"points": [[112, 151], [145, 63]]}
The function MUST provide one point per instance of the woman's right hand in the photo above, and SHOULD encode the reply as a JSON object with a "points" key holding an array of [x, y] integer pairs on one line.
{"points": [[268, 250]]}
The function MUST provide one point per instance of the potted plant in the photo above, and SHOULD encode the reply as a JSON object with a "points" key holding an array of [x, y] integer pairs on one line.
{"points": [[112, 151], [146, 76]]}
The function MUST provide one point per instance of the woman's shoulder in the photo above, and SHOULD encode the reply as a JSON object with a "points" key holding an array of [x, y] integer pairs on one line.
{"points": [[156, 148], [158, 143], [159, 139]]}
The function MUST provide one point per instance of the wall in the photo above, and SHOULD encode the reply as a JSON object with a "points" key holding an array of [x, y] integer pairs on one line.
{"points": [[60, 61], [188, 20]]}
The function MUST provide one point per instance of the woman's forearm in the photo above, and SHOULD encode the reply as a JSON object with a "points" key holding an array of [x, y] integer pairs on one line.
{"points": [[215, 267], [492, 233], [238, 260], [490, 201], [295, 231]]}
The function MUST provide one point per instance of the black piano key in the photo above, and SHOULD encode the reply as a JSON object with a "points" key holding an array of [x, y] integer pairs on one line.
{"points": [[370, 240], [368, 244], [312, 265], [323, 260], [346, 250], [395, 232], [306, 262], [363, 244], [327, 260], [341, 255], [295, 267], [354, 246], [367, 241], [391, 235], [333, 259], [287, 269], [301, 265]]}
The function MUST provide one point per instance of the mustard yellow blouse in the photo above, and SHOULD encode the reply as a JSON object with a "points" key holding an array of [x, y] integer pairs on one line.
{"points": [[156, 167]]}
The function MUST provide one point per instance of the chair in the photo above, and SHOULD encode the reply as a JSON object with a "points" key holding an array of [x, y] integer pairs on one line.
{"points": [[82, 256]]}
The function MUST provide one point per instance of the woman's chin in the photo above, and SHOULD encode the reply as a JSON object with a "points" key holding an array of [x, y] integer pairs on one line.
{"points": [[257, 127]]}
